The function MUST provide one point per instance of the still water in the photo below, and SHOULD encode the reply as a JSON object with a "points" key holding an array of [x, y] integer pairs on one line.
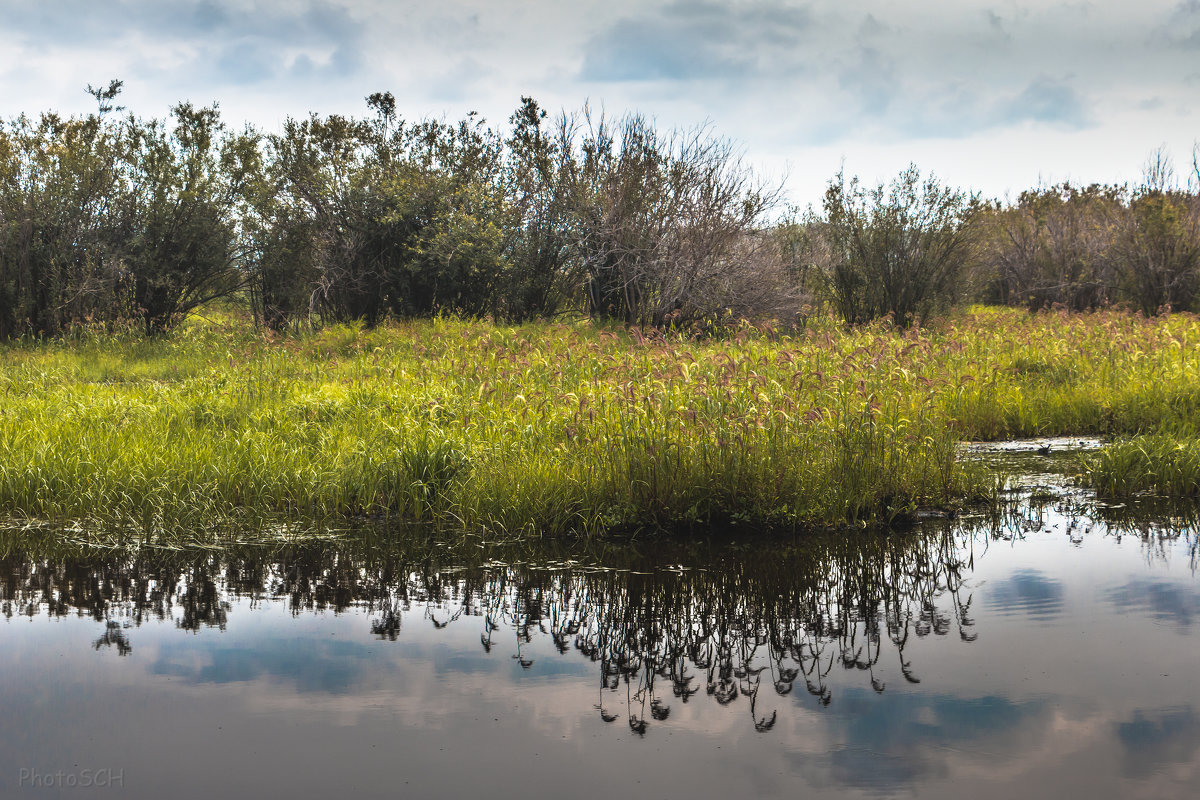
{"points": [[1050, 651]]}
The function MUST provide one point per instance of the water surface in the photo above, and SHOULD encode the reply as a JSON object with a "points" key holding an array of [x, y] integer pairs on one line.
{"points": [[1048, 651]]}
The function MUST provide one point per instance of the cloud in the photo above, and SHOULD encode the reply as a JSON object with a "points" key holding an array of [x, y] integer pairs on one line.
{"points": [[852, 72], [1182, 29], [1050, 101], [244, 63], [872, 27], [461, 82], [636, 51], [997, 25], [872, 81], [694, 40], [82, 22], [792, 80], [206, 40]]}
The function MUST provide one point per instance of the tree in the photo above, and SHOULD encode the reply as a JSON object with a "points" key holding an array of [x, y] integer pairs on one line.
{"points": [[667, 224], [1158, 251], [57, 181], [1054, 247], [899, 250], [178, 213], [446, 191], [382, 217], [544, 272]]}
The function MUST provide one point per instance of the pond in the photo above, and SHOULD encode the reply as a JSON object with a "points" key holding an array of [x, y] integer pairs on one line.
{"points": [[1048, 649]]}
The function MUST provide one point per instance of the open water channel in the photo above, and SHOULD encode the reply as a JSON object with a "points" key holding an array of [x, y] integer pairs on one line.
{"points": [[1050, 650]]}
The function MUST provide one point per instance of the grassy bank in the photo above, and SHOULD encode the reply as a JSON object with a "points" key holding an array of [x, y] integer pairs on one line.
{"points": [[1112, 374], [554, 428]]}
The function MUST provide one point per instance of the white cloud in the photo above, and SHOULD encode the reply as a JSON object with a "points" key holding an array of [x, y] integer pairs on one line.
{"points": [[796, 84]]}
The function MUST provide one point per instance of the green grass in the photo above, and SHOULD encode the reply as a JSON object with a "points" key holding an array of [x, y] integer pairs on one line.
{"points": [[1153, 465], [546, 429], [1058, 374]]}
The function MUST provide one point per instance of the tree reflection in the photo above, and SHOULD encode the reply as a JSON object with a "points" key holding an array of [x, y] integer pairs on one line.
{"points": [[728, 622], [745, 621], [1161, 524], [114, 636]]}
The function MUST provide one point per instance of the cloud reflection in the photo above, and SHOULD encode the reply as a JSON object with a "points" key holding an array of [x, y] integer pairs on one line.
{"points": [[1162, 600], [1029, 592], [1155, 738]]}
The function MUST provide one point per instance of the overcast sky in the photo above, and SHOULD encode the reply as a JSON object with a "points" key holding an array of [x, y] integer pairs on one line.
{"points": [[994, 96]]}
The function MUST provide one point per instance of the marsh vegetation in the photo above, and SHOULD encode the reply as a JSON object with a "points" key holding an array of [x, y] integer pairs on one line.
{"points": [[572, 428], [578, 324]]}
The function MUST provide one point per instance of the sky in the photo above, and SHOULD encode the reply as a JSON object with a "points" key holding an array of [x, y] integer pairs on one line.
{"points": [[994, 97]]}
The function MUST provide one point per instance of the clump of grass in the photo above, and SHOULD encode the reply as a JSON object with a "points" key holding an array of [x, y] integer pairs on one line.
{"points": [[1154, 465]]}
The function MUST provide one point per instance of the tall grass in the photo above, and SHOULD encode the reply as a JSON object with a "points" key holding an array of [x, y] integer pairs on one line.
{"points": [[1051, 374], [547, 429], [1107, 373], [1155, 465]]}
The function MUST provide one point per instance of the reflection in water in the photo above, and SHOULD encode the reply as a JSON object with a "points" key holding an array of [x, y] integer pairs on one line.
{"points": [[721, 622], [1162, 736], [904, 742], [114, 636], [106, 586], [1027, 591], [1161, 599], [740, 626], [330, 667], [995, 648]]}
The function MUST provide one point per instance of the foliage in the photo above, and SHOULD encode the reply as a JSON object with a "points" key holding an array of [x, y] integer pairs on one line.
{"points": [[1086, 248], [538, 428], [554, 428], [176, 215], [1157, 251], [897, 251], [56, 185], [670, 227], [114, 219], [382, 218], [544, 266], [1053, 248], [108, 219], [682, 622], [1155, 464]]}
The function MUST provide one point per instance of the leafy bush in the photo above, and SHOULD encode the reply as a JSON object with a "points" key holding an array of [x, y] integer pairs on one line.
{"points": [[898, 251], [108, 218], [670, 227], [1053, 247]]}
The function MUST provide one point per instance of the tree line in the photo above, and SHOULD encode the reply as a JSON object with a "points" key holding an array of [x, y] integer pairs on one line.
{"points": [[113, 218]]}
